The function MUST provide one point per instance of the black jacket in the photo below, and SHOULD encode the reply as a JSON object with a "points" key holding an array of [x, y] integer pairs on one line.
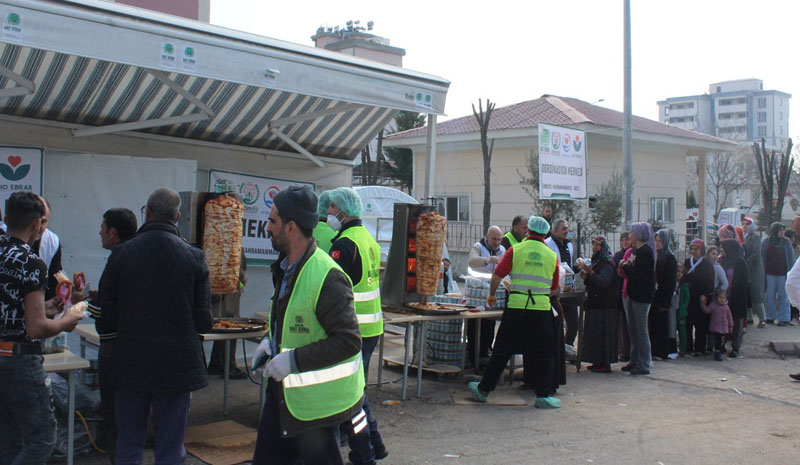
{"points": [[701, 282], [641, 275], [156, 296], [336, 313], [601, 285], [666, 274]]}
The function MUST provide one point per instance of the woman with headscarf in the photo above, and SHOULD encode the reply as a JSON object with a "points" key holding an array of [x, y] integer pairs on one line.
{"points": [[622, 334], [700, 277], [778, 257], [640, 268], [739, 234], [752, 256], [666, 273], [599, 338], [726, 231], [736, 271]]}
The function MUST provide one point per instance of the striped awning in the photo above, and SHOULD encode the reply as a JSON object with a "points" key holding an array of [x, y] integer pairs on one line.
{"points": [[54, 70]]}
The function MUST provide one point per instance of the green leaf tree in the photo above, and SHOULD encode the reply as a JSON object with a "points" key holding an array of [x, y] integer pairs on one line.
{"points": [[401, 165]]}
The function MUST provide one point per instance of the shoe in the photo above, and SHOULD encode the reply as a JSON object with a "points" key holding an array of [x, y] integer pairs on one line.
{"points": [[525, 387], [639, 371], [380, 452], [353, 459], [476, 392], [718, 356], [761, 324], [600, 369], [770, 322], [733, 354], [697, 354], [237, 373], [547, 403], [628, 367], [795, 377], [783, 323]]}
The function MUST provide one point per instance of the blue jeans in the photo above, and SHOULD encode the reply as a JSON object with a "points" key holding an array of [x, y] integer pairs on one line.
{"points": [[364, 451], [776, 288], [170, 414], [640, 339], [27, 423]]}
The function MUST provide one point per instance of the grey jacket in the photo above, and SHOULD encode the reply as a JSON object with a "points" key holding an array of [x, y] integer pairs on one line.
{"points": [[337, 315], [752, 256]]}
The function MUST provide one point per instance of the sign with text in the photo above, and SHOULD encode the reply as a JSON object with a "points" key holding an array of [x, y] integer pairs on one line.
{"points": [[20, 170], [257, 193], [562, 163]]}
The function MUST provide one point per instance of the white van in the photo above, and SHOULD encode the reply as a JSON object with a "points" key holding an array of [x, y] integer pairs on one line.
{"points": [[733, 216]]}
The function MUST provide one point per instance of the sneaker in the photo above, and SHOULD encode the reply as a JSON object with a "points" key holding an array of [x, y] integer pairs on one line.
{"points": [[570, 350], [718, 356], [547, 402], [733, 354], [639, 371], [476, 392], [761, 324], [795, 377], [628, 367]]}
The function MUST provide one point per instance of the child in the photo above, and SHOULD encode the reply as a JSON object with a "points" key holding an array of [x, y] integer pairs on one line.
{"points": [[683, 307], [721, 319]]}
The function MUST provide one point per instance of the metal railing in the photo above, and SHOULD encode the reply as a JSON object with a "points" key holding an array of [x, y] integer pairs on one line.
{"points": [[461, 236]]}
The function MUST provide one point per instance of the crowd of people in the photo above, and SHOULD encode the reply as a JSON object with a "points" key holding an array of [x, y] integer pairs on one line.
{"points": [[642, 304]]}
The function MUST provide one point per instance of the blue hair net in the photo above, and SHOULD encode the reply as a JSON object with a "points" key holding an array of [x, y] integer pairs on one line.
{"points": [[323, 202], [348, 201]]}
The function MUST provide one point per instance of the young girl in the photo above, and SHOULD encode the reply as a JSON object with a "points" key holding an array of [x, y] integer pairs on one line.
{"points": [[720, 280], [683, 307], [721, 319]]}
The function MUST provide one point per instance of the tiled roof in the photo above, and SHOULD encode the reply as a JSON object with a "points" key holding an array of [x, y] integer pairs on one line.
{"points": [[555, 110]]}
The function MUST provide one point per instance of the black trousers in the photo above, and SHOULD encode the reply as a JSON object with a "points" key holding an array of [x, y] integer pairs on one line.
{"points": [[529, 332], [487, 336], [107, 407], [698, 321], [319, 446], [657, 329], [571, 320]]}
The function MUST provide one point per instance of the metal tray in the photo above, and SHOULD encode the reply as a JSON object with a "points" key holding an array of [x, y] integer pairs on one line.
{"points": [[443, 309], [256, 325]]}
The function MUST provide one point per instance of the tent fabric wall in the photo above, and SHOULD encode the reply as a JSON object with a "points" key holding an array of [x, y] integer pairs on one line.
{"points": [[82, 186]]}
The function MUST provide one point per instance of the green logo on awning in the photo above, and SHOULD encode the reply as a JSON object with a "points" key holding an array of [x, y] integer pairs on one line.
{"points": [[13, 19]]}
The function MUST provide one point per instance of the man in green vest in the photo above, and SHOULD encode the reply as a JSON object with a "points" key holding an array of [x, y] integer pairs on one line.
{"points": [[518, 233], [323, 233], [527, 323], [314, 376], [359, 255]]}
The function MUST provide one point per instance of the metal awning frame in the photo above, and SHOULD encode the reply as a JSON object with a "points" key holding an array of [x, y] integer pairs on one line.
{"points": [[25, 86]]}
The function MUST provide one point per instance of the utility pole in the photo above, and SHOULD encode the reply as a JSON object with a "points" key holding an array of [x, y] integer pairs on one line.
{"points": [[627, 120]]}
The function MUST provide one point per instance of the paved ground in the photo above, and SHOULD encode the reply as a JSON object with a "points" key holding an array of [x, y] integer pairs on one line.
{"points": [[688, 411]]}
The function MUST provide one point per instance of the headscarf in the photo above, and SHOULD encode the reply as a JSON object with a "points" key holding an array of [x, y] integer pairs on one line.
{"points": [[701, 244], [726, 232], [796, 225], [750, 228], [664, 236], [602, 255], [739, 234], [775, 229], [733, 252], [644, 232]]}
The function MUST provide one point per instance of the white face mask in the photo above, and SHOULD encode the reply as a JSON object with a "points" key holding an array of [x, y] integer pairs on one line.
{"points": [[334, 222]]}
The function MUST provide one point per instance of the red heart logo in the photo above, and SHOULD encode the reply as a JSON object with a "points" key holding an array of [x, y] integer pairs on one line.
{"points": [[14, 161]]}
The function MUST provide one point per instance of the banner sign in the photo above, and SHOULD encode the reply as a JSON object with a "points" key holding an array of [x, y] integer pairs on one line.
{"points": [[20, 170], [257, 193], [562, 163]]}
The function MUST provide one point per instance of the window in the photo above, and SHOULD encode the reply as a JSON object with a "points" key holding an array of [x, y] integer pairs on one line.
{"points": [[762, 116], [741, 115], [725, 101], [726, 116], [741, 100], [762, 102], [690, 105], [780, 116], [454, 207], [762, 131], [662, 209]]}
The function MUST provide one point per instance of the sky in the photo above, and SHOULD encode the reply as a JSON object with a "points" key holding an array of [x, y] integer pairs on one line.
{"points": [[513, 51]]}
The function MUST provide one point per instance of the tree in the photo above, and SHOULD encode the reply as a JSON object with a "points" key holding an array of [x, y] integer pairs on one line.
{"points": [[486, 149], [774, 173], [400, 166], [727, 172], [567, 209], [606, 216], [691, 201]]}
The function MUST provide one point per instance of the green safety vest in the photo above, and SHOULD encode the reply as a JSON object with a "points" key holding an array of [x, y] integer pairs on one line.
{"points": [[323, 235], [366, 292], [311, 395], [511, 239], [532, 271]]}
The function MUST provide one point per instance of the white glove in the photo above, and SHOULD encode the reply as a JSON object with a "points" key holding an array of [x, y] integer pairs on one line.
{"points": [[280, 366], [262, 353]]}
